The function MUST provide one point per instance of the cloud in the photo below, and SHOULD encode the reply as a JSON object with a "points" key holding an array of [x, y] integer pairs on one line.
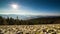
{"points": [[28, 12]]}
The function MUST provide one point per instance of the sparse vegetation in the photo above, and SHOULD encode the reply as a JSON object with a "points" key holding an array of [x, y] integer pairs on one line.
{"points": [[12, 21], [16, 26]]}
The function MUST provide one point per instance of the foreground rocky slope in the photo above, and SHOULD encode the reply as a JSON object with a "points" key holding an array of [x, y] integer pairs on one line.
{"points": [[30, 29]]}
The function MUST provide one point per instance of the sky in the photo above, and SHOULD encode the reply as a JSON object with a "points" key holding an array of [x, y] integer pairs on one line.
{"points": [[30, 7]]}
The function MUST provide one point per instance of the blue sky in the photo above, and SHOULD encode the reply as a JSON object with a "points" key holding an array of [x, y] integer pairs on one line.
{"points": [[30, 7]]}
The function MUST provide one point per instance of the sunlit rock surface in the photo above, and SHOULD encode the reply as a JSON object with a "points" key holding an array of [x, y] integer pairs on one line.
{"points": [[30, 29]]}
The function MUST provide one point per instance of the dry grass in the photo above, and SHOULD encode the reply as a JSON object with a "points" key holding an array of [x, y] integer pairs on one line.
{"points": [[31, 29]]}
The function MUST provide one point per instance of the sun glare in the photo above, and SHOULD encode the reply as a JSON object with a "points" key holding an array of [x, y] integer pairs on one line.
{"points": [[14, 6]]}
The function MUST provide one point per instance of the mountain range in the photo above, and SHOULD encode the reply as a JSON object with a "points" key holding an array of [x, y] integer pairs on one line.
{"points": [[25, 17]]}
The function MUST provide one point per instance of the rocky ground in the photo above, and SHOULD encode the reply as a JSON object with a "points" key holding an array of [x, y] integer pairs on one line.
{"points": [[30, 29]]}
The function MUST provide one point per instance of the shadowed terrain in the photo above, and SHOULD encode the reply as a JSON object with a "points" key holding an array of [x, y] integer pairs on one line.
{"points": [[33, 21]]}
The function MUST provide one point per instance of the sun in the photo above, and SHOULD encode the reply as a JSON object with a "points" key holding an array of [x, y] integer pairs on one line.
{"points": [[14, 6]]}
